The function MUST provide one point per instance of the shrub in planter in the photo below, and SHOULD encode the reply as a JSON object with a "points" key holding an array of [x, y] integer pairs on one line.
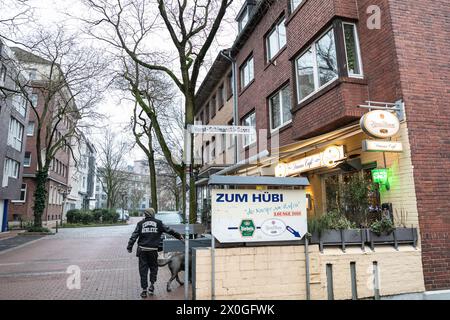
{"points": [[383, 226], [38, 229], [86, 217], [332, 220], [109, 216], [73, 216], [97, 215]]}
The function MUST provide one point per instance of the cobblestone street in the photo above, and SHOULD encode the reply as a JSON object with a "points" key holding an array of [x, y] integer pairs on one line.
{"points": [[38, 270]]}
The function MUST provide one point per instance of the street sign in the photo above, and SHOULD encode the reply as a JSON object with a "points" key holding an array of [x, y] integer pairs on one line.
{"points": [[243, 215], [199, 129]]}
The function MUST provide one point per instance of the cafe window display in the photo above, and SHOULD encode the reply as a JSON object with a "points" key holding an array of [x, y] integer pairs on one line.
{"points": [[354, 196]]}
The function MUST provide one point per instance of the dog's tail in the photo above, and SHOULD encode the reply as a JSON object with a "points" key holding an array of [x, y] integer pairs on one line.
{"points": [[163, 263]]}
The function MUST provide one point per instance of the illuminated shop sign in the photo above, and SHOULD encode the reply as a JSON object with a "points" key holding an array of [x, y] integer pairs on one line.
{"points": [[381, 146], [380, 176], [380, 124], [328, 158]]}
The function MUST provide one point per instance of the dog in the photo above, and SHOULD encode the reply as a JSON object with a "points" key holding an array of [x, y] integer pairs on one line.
{"points": [[176, 264]]}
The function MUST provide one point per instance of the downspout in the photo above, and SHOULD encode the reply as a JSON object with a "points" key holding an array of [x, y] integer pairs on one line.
{"points": [[227, 55]]}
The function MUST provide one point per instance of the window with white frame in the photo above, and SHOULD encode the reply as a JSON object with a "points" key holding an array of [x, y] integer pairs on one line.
{"points": [[249, 121], [27, 159], [15, 134], [30, 129], [276, 39], [280, 108], [10, 170], [317, 66], [352, 51], [295, 4], [20, 104], [247, 72]]}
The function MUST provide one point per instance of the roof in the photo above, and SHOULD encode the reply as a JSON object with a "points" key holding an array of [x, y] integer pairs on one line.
{"points": [[259, 10], [25, 56], [217, 180], [212, 79]]}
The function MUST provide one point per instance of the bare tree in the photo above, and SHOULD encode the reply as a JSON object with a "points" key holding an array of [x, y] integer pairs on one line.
{"points": [[112, 172], [191, 26], [136, 197], [58, 80]]}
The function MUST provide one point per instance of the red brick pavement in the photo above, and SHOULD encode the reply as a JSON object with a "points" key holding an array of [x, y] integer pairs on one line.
{"points": [[108, 271]]}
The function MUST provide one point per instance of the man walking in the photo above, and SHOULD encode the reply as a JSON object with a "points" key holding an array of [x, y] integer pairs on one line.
{"points": [[148, 235]]}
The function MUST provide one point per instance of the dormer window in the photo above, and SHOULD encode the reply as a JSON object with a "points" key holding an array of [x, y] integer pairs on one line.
{"points": [[243, 18]]}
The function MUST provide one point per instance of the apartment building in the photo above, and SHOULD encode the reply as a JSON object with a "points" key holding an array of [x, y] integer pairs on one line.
{"points": [[310, 70], [13, 121], [57, 183], [82, 178]]}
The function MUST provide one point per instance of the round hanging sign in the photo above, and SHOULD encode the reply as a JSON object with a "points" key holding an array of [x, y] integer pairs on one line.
{"points": [[380, 124]]}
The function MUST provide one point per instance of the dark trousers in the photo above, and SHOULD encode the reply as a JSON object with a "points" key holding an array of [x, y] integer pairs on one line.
{"points": [[148, 260]]}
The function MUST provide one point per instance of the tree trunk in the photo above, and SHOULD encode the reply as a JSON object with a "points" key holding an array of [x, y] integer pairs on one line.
{"points": [[189, 120], [151, 164], [40, 196]]}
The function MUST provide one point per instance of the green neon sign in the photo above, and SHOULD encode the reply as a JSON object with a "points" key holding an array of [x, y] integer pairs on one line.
{"points": [[380, 176]]}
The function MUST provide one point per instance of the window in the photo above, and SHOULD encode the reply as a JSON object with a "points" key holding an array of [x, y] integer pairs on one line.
{"points": [[30, 129], [221, 97], [250, 121], [295, 4], [23, 193], [32, 74], [10, 170], [2, 75], [276, 39], [20, 104], [15, 134], [317, 66], [243, 19], [230, 86], [247, 73], [352, 50], [206, 114], [34, 100], [27, 159], [280, 108], [212, 105], [231, 137]]}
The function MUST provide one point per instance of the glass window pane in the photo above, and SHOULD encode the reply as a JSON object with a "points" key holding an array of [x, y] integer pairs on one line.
{"points": [[273, 44], [275, 111], [352, 50], [286, 96], [295, 4], [282, 33], [305, 74], [251, 70], [326, 58]]}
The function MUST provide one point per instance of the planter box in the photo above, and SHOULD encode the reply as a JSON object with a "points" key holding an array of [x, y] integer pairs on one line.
{"points": [[24, 234], [398, 236], [362, 237], [339, 237]]}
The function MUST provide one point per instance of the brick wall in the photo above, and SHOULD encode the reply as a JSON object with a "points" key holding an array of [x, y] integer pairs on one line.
{"points": [[279, 272], [421, 32]]}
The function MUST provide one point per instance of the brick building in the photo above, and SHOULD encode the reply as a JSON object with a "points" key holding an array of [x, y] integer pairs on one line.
{"points": [[22, 208], [13, 120], [306, 67]]}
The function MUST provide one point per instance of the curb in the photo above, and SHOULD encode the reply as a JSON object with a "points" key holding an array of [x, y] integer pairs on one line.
{"points": [[20, 246]]}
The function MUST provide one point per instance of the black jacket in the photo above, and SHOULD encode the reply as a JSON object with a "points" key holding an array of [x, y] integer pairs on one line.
{"points": [[148, 233]]}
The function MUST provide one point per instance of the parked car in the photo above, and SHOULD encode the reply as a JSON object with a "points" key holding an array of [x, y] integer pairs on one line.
{"points": [[123, 215], [169, 218]]}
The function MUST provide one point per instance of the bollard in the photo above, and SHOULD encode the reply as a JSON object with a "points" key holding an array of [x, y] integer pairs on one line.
{"points": [[56, 226]]}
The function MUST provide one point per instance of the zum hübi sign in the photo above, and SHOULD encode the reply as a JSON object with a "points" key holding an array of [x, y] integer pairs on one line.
{"points": [[380, 124]]}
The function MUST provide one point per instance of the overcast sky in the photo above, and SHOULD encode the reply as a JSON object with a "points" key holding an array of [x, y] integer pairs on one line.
{"points": [[51, 12]]}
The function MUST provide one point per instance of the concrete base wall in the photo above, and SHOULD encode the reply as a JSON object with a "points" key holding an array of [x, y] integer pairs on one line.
{"points": [[279, 272]]}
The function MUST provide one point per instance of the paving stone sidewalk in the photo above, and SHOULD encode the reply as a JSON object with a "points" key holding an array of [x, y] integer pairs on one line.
{"points": [[39, 270]]}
